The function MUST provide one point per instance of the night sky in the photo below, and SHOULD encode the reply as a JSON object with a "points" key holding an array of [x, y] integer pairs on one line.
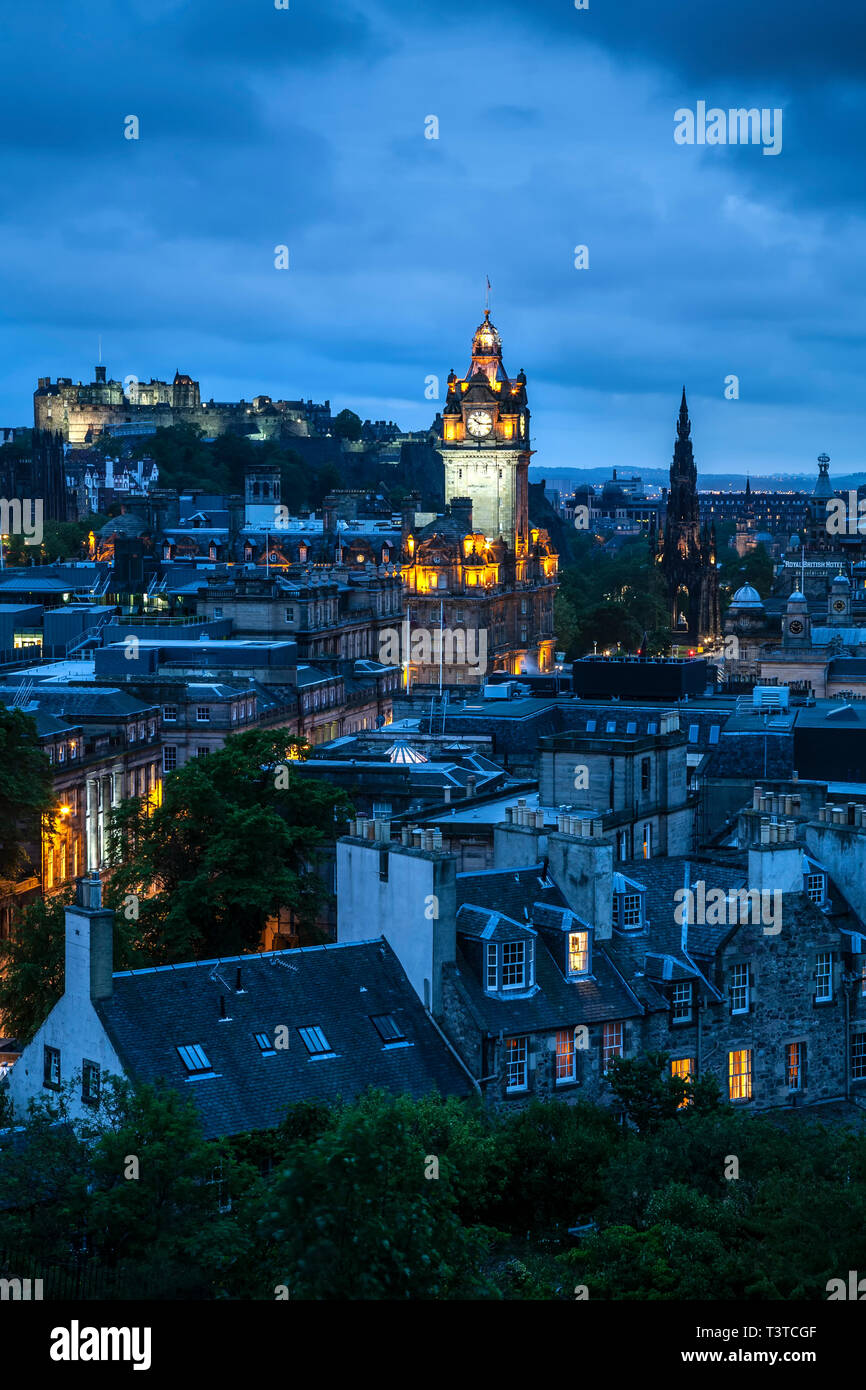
{"points": [[306, 127]]}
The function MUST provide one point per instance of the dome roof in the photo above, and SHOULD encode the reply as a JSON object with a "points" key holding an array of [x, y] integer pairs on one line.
{"points": [[747, 597], [841, 581], [400, 752], [796, 597]]}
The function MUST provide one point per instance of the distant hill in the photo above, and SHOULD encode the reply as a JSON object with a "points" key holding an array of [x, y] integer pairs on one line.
{"points": [[568, 478]]}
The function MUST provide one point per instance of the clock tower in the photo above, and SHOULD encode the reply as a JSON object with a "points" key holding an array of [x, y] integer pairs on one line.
{"points": [[485, 442]]}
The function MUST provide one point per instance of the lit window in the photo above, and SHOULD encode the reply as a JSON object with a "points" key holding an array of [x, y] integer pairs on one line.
{"points": [[266, 1047], [194, 1058], [795, 1060], [740, 989], [578, 952], [169, 757], [516, 1064], [824, 976], [565, 1056], [513, 964], [858, 1056], [682, 1002], [815, 888], [611, 1044], [684, 1069], [315, 1042], [388, 1028], [740, 1075]]}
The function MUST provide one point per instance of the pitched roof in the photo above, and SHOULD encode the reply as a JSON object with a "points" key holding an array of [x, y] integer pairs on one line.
{"points": [[339, 989]]}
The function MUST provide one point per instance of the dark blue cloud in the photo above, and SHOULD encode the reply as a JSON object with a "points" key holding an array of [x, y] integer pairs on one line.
{"points": [[307, 127]]}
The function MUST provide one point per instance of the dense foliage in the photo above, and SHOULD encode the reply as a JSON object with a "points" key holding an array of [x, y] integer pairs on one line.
{"points": [[395, 1198], [26, 794]]}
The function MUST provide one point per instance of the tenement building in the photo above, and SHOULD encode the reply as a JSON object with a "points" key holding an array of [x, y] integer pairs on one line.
{"points": [[747, 965]]}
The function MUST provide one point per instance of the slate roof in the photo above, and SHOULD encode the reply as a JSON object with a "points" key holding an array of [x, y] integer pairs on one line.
{"points": [[337, 988], [510, 891], [522, 897]]}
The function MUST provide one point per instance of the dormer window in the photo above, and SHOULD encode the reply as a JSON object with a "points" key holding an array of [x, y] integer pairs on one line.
{"points": [[578, 953], [513, 964], [816, 887], [627, 911], [509, 965]]}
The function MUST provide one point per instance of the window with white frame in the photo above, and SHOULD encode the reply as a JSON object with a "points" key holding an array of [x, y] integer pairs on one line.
{"points": [[578, 952], [169, 713], [858, 1056], [513, 964], [491, 974], [815, 888], [740, 989], [682, 1002], [611, 1044], [824, 976], [169, 757], [740, 1074], [566, 1056], [630, 915], [516, 1064], [683, 1068], [202, 714], [795, 1062]]}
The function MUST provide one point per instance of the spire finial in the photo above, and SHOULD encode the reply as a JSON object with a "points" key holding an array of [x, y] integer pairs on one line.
{"points": [[684, 424]]}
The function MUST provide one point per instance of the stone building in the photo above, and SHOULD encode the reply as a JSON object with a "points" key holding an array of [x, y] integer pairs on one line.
{"points": [[637, 783], [748, 966], [79, 411], [480, 580]]}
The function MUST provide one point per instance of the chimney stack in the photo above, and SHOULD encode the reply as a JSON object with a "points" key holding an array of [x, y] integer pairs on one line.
{"points": [[89, 959]]}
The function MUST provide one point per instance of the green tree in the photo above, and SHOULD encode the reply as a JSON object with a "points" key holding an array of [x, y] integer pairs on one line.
{"points": [[552, 1154], [353, 1215], [347, 425], [31, 965], [26, 791], [650, 1094], [234, 841]]}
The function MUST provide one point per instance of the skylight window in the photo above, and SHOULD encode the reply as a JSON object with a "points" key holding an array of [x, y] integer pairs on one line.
{"points": [[315, 1042], [610, 726], [631, 726], [590, 726], [266, 1047], [388, 1028], [693, 733], [194, 1058]]}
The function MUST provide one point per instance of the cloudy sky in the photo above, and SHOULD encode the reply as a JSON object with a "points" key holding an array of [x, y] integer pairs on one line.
{"points": [[305, 127]]}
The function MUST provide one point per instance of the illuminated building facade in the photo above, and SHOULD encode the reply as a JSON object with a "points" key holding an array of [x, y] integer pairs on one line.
{"points": [[480, 580]]}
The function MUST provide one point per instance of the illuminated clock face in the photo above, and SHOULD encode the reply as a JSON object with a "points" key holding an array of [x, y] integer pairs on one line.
{"points": [[796, 627], [479, 423], [839, 605]]}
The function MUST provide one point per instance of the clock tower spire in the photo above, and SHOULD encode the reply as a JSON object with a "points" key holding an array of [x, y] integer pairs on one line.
{"points": [[485, 441]]}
